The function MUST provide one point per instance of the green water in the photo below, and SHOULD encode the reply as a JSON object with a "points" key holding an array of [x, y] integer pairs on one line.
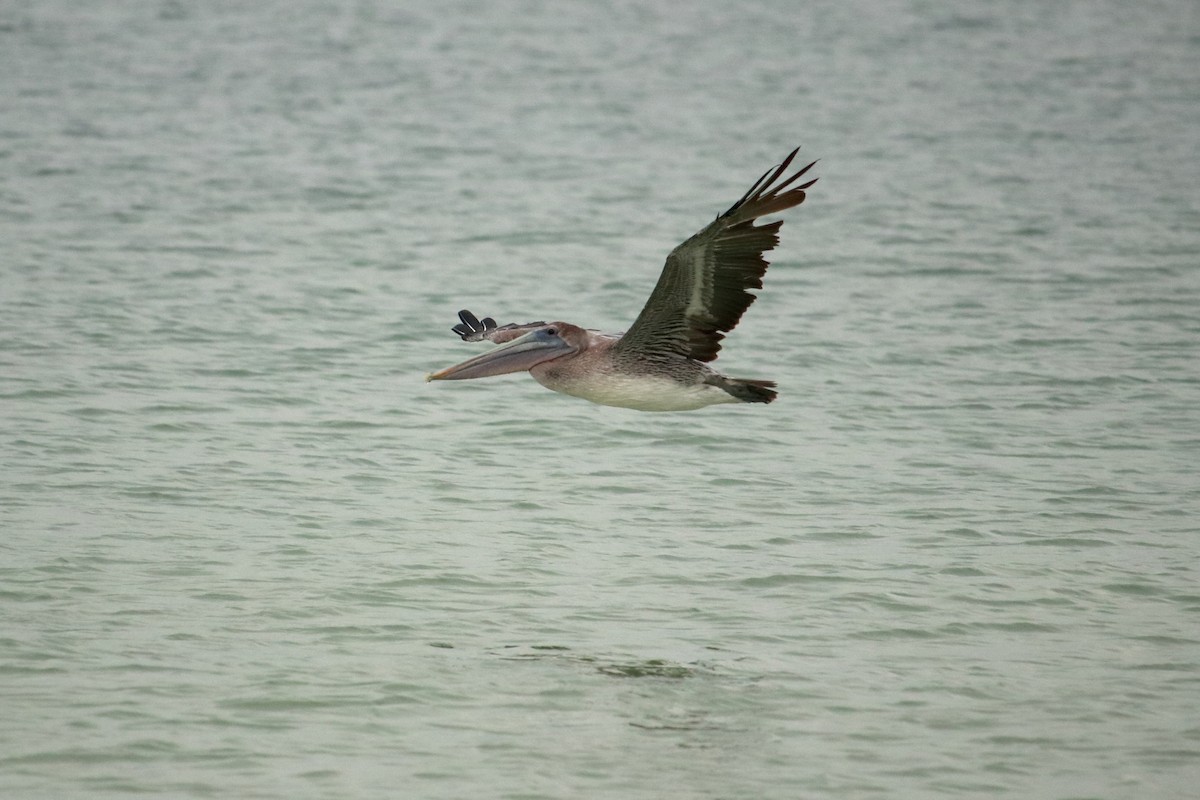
{"points": [[247, 551]]}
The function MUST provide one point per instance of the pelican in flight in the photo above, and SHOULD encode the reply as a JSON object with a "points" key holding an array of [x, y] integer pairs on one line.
{"points": [[661, 362]]}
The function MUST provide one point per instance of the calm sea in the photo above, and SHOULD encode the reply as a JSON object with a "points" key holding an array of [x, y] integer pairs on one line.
{"points": [[247, 552]]}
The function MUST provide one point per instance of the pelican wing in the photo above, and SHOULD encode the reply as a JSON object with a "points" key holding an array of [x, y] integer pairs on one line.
{"points": [[473, 329], [703, 289]]}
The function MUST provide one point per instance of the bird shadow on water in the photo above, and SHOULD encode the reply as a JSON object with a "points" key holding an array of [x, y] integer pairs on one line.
{"points": [[673, 698], [647, 668]]}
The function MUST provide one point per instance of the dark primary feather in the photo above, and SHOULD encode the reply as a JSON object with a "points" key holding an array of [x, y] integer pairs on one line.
{"points": [[473, 329], [703, 289]]}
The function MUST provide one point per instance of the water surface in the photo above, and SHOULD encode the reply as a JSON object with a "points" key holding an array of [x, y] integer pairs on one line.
{"points": [[248, 552]]}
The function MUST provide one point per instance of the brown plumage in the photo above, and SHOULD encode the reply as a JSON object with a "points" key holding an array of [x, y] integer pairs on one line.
{"points": [[702, 292], [660, 364]]}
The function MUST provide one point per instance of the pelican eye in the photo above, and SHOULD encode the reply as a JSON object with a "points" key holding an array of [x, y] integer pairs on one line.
{"points": [[552, 331]]}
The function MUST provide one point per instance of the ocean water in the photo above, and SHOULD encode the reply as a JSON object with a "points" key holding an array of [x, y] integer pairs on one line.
{"points": [[247, 552]]}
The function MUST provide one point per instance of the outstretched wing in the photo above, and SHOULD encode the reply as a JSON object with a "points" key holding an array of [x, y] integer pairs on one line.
{"points": [[473, 329], [702, 292]]}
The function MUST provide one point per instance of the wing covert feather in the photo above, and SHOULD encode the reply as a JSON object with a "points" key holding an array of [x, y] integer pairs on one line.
{"points": [[704, 287]]}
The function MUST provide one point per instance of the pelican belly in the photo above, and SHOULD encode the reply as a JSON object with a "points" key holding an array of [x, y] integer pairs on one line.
{"points": [[640, 392]]}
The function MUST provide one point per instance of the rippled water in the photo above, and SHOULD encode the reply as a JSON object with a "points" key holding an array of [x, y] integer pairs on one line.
{"points": [[248, 552]]}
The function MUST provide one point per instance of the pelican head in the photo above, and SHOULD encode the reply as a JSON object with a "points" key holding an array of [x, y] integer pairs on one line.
{"points": [[550, 341]]}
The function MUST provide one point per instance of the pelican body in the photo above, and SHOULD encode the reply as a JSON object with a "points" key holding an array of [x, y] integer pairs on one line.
{"points": [[661, 362]]}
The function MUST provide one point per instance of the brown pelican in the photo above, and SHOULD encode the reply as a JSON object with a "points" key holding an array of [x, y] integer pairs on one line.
{"points": [[660, 363]]}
